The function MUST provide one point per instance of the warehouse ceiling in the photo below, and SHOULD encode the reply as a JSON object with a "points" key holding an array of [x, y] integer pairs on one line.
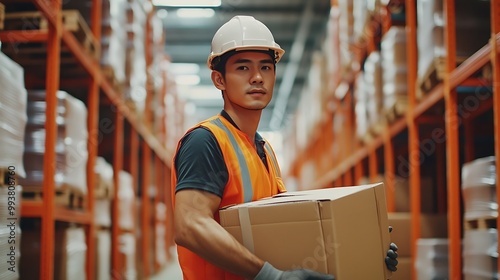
{"points": [[297, 25]]}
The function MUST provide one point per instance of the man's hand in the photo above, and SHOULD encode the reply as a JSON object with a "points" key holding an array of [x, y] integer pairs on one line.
{"points": [[391, 258], [268, 272]]}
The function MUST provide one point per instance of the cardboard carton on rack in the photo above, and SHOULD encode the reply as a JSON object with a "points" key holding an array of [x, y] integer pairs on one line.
{"points": [[340, 231]]}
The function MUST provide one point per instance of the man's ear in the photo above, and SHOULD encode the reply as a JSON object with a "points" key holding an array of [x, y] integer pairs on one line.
{"points": [[218, 80]]}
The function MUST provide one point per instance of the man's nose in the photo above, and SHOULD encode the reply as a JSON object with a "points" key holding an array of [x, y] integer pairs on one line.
{"points": [[256, 77]]}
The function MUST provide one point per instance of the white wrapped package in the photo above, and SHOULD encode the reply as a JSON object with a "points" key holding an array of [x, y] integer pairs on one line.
{"points": [[75, 172], [76, 250], [479, 189], [13, 116], [126, 197], [480, 254]]}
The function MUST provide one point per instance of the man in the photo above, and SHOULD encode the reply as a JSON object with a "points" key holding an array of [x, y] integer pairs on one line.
{"points": [[224, 161]]}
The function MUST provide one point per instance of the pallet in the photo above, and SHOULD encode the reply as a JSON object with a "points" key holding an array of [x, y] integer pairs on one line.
{"points": [[2, 15], [396, 111], [109, 73], [72, 21], [377, 128], [433, 75], [63, 196], [481, 223]]}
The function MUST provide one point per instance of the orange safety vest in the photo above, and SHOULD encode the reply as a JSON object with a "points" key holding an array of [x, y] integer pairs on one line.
{"points": [[249, 180]]}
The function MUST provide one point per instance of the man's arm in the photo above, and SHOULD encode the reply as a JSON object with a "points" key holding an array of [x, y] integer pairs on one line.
{"points": [[197, 230]]}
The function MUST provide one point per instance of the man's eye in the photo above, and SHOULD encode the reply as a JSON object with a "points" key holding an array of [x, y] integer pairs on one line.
{"points": [[242, 68], [266, 68]]}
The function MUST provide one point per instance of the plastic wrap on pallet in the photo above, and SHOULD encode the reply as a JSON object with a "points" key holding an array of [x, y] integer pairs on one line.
{"points": [[13, 116], [472, 30], [136, 60], [394, 69], [346, 34], [360, 109], [479, 188], [127, 248], [75, 172], [10, 232], [104, 177], [76, 250], [102, 212], [34, 139], [126, 198], [103, 255], [373, 80], [361, 17], [430, 41], [160, 244], [114, 39], [432, 258], [480, 254]]}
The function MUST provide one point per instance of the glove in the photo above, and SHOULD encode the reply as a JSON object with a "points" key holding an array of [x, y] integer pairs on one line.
{"points": [[268, 272], [391, 258]]}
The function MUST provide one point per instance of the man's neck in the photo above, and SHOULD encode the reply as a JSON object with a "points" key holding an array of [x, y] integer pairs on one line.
{"points": [[247, 121]]}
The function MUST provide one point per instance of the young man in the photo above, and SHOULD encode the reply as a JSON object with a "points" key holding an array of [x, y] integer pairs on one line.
{"points": [[224, 161]]}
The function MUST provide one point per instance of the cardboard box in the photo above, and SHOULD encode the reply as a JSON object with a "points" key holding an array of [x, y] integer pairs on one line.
{"points": [[335, 231], [431, 226]]}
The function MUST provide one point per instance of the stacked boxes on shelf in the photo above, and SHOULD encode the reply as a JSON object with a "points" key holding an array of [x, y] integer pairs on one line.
{"points": [[127, 223], [394, 72], [34, 141], [431, 226], [480, 213], [69, 255], [161, 234], [104, 189], [13, 117], [113, 40], [374, 92], [431, 260], [472, 32], [71, 146], [360, 108], [135, 62]]}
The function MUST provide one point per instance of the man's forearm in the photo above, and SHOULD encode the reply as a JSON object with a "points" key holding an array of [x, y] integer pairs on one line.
{"points": [[208, 239]]}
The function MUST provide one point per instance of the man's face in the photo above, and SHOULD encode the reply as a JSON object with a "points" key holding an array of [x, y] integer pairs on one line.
{"points": [[249, 80]]}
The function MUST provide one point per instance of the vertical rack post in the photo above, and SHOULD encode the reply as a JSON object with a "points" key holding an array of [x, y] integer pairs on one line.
{"points": [[116, 263], [389, 172], [158, 182], [358, 172], [413, 129], [49, 167], [495, 60], [372, 164], [452, 148], [93, 130], [145, 227]]}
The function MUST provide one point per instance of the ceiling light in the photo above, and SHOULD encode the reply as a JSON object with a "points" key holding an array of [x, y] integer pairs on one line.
{"points": [[195, 13], [184, 68], [187, 3]]}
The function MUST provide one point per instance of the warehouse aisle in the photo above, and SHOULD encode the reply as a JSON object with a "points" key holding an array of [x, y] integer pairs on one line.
{"points": [[170, 272]]}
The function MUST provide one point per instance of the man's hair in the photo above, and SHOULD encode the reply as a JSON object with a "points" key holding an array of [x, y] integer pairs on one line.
{"points": [[219, 63]]}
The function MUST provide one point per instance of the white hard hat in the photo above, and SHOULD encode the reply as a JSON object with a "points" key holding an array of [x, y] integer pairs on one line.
{"points": [[243, 33]]}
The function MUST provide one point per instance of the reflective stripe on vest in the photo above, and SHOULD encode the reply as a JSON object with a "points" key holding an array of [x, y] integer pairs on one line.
{"points": [[245, 173], [273, 158]]}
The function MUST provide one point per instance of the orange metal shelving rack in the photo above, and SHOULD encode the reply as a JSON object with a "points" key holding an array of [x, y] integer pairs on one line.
{"points": [[448, 167], [155, 155]]}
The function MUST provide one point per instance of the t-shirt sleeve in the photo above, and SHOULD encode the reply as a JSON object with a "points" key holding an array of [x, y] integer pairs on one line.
{"points": [[200, 164]]}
